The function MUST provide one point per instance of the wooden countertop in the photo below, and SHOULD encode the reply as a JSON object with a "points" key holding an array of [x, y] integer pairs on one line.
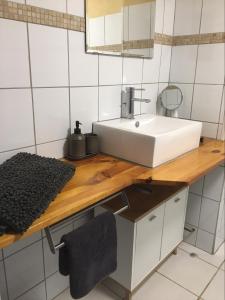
{"points": [[101, 176]]}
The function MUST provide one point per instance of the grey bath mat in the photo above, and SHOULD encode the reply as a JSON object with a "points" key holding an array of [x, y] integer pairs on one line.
{"points": [[28, 183]]}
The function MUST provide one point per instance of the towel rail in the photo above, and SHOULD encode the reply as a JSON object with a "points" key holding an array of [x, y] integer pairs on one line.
{"points": [[54, 248]]}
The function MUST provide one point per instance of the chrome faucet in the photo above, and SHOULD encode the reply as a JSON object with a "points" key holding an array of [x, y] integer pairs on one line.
{"points": [[127, 102]]}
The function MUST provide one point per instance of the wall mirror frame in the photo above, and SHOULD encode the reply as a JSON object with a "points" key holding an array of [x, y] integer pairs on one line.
{"points": [[120, 27]]}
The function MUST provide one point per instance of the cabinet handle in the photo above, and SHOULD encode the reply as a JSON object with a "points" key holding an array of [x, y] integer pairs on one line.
{"points": [[152, 218], [177, 200]]}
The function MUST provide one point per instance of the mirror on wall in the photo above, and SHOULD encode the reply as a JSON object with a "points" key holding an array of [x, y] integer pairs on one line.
{"points": [[120, 27]]}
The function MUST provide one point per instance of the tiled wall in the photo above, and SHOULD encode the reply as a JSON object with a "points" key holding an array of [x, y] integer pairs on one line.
{"points": [[205, 211], [198, 69], [47, 81], [29, 271]]}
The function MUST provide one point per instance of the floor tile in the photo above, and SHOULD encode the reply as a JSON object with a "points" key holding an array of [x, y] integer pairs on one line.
{"points": [[190, 272], [215, 260], [223, 266], [99, 293], [216, 288], [160, 288]]}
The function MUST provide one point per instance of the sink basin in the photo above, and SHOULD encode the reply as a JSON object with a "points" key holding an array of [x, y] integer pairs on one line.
{"points": [[148, 140]]}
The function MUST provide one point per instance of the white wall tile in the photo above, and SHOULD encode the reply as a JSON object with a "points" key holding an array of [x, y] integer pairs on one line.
{"points": [[6, 155], [109, 102], [114, 29], [37, 293], [51, 110], [205, 241], [169, 17], [220, 229], [190, 237], [3, 288], [84, 107], [14, 71], [110, 70], [58, 5], [213, 185], [151, 93], [16, 117], [20, 1], [222, 109], [221, 132], [165, 63], [151, 66], [132, 70], [187, 17], [56, 284], [207, 102], [21, 244], [185, 109], [159, 16], [51, 260], [28, 272], [210, 66], [193, 209], [49, 56], [139, 21], [76, 7], [197, 187], [208, 216], [209, 130], [183, 64], [212, 16], [83, 67], [57, 149], [137, 105]]}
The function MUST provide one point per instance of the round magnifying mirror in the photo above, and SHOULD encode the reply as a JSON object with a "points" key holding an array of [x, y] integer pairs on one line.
{"points": [[171, 99]]}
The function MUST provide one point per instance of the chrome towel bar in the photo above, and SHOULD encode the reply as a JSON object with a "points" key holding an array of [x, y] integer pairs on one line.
{"points": [[124, 198]]}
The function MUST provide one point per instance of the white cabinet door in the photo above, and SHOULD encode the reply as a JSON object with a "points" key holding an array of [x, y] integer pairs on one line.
{"points": [[174, 222], [147, 244]]}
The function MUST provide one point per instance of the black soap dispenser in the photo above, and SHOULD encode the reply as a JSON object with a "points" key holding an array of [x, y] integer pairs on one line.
{"points": [[77, 144]]}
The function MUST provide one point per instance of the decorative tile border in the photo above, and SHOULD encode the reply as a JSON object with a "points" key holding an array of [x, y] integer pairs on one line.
{"points": [[199, 39], [32, 14]]}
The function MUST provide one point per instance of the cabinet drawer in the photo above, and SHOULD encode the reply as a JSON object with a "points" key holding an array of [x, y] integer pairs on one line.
{"points": [[147, 244], [174, 222]]}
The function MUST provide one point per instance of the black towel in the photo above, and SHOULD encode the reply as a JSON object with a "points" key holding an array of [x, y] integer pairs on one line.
{"points": [[28, 183], [89, 254]]}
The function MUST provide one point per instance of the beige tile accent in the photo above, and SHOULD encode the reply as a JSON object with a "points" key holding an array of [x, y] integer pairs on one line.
{"points": [[42, 16], [199, 39], [32, 14]]}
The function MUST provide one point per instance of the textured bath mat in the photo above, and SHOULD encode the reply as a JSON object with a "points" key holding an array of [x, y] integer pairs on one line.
{"points": [[28, 183]]}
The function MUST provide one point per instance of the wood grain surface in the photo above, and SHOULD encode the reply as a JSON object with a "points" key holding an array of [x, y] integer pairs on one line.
{"points": [[101, 176]]}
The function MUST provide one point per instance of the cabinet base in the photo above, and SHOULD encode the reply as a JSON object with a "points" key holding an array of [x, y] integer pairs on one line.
{"points": [[124, 293]]}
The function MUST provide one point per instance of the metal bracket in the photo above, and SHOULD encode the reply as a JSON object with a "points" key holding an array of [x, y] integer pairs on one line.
{"points": [[47, 230]]}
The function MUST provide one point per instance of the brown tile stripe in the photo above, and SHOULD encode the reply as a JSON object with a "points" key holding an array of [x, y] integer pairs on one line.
{"points": [[199, 39], [27, 13], [32, 14]]}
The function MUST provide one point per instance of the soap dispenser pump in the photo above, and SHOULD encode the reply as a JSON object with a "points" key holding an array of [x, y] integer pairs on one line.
{"points": [[77, 144]]}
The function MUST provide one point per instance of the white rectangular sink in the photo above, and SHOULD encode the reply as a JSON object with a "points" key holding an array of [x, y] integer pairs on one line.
{"points": [[155, 140]]}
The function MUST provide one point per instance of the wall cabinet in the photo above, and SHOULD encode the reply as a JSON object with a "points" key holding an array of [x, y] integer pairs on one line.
{"points": [[143, 244]]}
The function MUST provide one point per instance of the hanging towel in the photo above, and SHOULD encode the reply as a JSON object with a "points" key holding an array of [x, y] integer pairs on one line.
{"points": [[28, 183], [89, 254]]}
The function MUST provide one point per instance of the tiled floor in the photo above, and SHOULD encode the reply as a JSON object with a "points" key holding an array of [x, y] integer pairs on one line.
{"points": [[192, 274]]}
